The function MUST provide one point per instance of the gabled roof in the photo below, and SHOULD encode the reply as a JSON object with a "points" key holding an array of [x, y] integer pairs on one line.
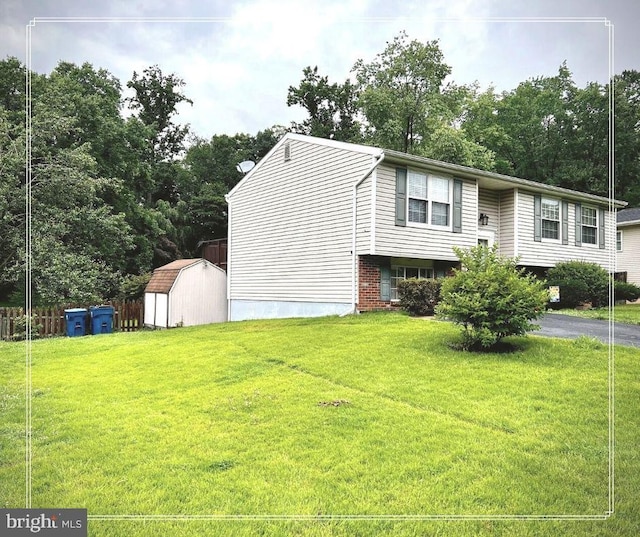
{"points": [[629, 216], [164, 277], [491, 179]]}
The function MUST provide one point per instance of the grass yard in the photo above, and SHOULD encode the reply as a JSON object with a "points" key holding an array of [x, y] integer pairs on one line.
{"points": [[368, 415], [623, 313]]}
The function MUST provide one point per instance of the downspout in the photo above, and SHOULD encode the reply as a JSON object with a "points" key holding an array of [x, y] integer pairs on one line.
{"points": [[354, 255], [229, 248]]}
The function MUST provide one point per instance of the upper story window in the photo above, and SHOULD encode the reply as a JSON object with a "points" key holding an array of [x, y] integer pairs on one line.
{"points": [[429, 199], [550, 219], [589, 225]]}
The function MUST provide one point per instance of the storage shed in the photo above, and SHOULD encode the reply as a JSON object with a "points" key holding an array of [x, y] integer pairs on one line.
{"points": [[186, 292]]}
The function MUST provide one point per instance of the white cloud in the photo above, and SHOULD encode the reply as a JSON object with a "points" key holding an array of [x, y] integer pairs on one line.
{"points": [[237, 70]]}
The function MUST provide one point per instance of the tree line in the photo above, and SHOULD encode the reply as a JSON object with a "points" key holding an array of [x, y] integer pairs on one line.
{"points": [[117, 187]]}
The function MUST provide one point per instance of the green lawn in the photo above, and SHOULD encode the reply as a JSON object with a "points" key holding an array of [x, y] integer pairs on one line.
{"points": [[623, 313], [368, 415]]}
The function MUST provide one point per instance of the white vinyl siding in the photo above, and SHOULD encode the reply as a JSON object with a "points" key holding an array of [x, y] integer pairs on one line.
{"points": [[548, 252], [291, 225], [198, 296], [506, 236], [416, 241], [627, 259]]}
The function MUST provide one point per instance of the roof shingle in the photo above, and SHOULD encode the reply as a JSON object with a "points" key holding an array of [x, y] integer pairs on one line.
{"points": [[164, 277], [628, 215]]}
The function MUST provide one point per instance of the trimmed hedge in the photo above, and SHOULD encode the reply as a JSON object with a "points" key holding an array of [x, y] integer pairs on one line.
{"points": [[419, 296], [593, 276], [572, 293], [626, 291]]}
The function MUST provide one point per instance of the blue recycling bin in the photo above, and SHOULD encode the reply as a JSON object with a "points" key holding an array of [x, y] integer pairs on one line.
{"points": [[76, 320], [101, 319]]}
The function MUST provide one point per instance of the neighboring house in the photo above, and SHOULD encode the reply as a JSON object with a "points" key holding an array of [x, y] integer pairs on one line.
{"points": [[186, 292], [628, 245], [324, 227]]}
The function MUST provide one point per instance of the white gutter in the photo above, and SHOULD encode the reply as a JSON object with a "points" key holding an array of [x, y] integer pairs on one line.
{"points": [[354, 260]]}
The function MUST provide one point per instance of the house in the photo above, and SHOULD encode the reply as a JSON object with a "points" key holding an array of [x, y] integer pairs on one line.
{"points": [[628, 245], [323, 227], [186, 292]]}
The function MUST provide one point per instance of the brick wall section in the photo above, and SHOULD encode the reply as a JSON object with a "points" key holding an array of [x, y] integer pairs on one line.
{"points": [[369, 284]]}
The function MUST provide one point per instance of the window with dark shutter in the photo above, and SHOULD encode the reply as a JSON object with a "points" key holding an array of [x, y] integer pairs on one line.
{"points": [[578, 224], [457, 206], [385, 284], [537, 217], [565, 222], [601, 234]]}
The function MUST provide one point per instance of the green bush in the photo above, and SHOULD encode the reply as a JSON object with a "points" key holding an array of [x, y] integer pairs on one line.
{"points": [[626, 291], [595, 278], [133, 286], [20, 328], [419, 296], [490, 298], [572, 293]]}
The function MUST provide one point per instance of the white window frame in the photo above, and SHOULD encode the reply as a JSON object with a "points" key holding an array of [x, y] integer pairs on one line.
{"points": [[619, 241], [395, 278], [486, 235], [542, 219], [430, 201], [583, 226]]}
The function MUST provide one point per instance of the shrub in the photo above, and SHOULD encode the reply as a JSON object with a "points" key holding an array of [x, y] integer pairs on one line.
{"points": [[626, 291], [133, 286], [572, 293], [592, 275], [20, 328], [490, 298], [419, 296]]}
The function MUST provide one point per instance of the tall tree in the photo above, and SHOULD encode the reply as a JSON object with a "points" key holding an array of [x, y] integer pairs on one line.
{"points": [[332, 108], [213, 173], [156, 99], [400, 92], [626, 93], [409, 107]]}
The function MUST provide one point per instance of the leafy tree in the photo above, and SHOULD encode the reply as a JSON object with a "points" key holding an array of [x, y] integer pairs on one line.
{"points": [[551, 131], [408, 107], [213, 173], [626, 93], [79, 244], [156, 99], [332, 108], [490, 298], [400, 92]]}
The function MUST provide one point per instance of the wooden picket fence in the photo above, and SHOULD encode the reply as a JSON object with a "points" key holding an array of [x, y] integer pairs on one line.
{"points": [[49, 321]]}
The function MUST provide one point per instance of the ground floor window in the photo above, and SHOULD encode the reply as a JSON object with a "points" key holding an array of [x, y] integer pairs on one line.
{"points": [[403, 273]]}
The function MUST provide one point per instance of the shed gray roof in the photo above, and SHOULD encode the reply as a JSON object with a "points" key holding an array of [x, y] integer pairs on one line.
{"points": [[628, 215]]}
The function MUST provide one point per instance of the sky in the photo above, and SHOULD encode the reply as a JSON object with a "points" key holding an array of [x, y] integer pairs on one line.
{"points": [[238, 58]]}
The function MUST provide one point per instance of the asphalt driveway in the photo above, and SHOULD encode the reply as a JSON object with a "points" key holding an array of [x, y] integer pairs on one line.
{"points": [[567, 326]]}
